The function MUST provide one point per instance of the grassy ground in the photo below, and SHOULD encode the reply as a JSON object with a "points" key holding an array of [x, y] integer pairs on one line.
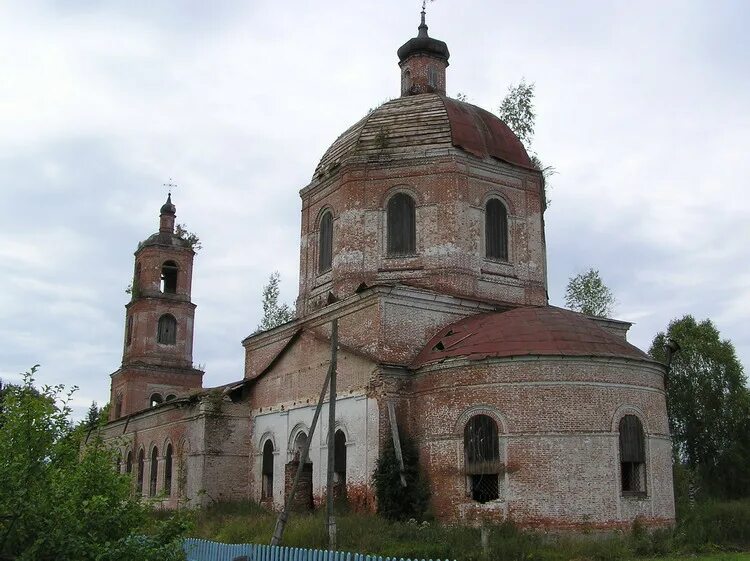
{"points": [[718, 532]]}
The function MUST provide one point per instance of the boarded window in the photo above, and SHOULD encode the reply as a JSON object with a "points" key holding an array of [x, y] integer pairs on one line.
{"points": [[169, 277], [632, 456], [167, 334], [140, 471], [155, 400], [402, 233], [168, 470], [482, 458], [154, 472], [339, 458], [496, 230], [325, 245], [267, 471]]}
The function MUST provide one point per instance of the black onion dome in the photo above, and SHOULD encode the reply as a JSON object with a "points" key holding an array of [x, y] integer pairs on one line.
{"points": [[423, 43], [168, 207]]}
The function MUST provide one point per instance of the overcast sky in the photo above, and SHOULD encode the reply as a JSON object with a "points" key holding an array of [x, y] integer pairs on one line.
{"points": [[642, 109]]}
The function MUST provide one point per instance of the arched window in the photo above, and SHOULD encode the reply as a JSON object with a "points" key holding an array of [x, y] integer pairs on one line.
{"points": [[325, 243], [140, 471], [169, 277], [299, 444], [406, 81], [129, 331], [632, 456], [154, 471], [496, 230], [482, 458], [168, 470], [155, 400], [339, 458], [167, 330], [432, 76], [170, 397], [129, 462], [402, 225], [267, 471]]}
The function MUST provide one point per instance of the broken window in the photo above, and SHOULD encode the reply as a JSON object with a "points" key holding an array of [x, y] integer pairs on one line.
{"points": [[168, 470], [167, 334], [325, 245], [155, 400], [169, 277], [129, 462], [496, 230], [140, 471], [267, 471], [154, 471], [339, 458], [401, 219], [482, 457], [632, 456]]}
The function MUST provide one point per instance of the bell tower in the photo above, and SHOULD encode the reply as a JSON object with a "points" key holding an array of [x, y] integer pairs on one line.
{"points": [[157, 358]]}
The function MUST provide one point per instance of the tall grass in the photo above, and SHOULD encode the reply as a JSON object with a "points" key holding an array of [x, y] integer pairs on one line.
{"points": [[705, 527]]}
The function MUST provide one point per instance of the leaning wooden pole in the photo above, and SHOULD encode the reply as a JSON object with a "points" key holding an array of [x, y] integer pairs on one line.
{"points": [[331, 518], [278, 532]]}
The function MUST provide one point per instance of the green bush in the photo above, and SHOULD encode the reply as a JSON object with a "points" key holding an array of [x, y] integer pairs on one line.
{"points": [[396, 502]]}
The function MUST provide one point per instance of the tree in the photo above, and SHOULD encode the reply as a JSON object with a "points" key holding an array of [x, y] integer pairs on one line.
{"points": [[396, 502], [708, 405], [587, 293], [274, 314], [517, 111], [92, 416], [192, 239], [61, 500]]}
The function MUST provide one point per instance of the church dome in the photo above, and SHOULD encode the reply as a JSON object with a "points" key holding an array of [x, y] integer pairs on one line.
{"points": [[424, 125], [525, 331]]}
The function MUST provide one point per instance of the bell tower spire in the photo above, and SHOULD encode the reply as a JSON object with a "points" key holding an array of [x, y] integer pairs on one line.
{"points": [[157, 357], [423, 61]]}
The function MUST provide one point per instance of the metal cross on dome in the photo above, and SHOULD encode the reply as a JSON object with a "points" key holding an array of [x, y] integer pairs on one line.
{"points": [[169, 185]]}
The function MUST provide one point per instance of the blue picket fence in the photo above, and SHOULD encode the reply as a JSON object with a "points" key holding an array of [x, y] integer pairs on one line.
{"points": [[203, 550]]}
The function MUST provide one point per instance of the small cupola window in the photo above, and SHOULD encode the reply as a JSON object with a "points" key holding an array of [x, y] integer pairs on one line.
{"points": [[325, 244], [402, 225]]}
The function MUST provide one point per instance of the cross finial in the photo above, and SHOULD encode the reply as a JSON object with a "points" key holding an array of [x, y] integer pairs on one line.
{"points": [[169, 185]]}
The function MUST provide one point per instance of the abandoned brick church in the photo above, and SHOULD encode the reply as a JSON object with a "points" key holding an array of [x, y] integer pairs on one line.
{"points": [[423, 234]]}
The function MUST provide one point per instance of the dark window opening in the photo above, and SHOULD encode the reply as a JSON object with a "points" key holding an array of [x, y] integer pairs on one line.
{"points": [[496, 230], [325, 243], [299, 444], [339, 458], [267, 471], [170, 397], [129, 463], [155, 400], [129, 331], [632, 456], [482, 457], [140, 471], [154, 471], [169, 277], [168, 470], [401, 218], [167, 330]]}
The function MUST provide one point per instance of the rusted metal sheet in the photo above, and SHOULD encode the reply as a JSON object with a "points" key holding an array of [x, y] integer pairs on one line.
{"points": [[545, 330]]}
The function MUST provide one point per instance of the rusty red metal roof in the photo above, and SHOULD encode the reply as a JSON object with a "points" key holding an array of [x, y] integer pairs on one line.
{"points": [[481, 133], [545, 330], [416, 125]]}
